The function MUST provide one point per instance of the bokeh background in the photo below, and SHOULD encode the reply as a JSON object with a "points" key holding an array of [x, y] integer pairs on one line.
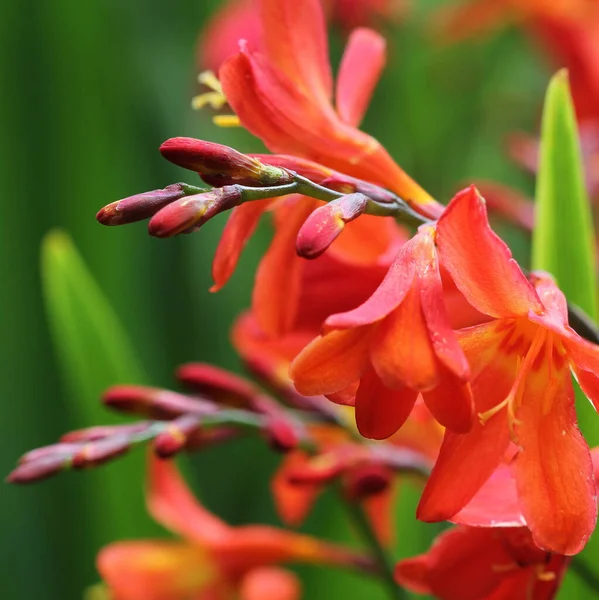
{"points": [[90, 90]]}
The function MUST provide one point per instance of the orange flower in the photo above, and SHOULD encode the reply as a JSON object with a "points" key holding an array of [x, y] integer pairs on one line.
{"points": [[479, 563], [213, 561], [520, 362], [397, 344], [284, 97]]}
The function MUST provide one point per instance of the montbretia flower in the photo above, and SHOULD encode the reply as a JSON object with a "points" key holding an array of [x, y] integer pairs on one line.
{"points": [[397, 344], [480, 563], [212, 560], [520, 362], [283, 95]]}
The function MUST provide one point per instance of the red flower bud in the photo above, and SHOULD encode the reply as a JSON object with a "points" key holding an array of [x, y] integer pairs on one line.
{"points": [[218, 384], [228, 165], [327, 222], [100, 451], [139, 207], [366, 480], [176, 436], [99, 432], [154, 402], [188, 214], [42, 467], [281, 434]]}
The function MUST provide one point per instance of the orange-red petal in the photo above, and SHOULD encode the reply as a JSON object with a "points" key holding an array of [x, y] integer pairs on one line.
{"points": [[554, 471], [236, 233], [155, 570], [270, 583], [277, 286], [480, 263], [390, 293], [467, 460], [360, 69], [332, 362], [380, 411], [459, 565], [294, 38], [173, 505]]}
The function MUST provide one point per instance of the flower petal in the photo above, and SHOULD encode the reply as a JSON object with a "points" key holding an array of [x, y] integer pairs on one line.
{"points": [[467, 460], [495, 505], [401, 351], [459, 565], [154, 570], [332, 362], [387, 296], [236, 233], [277, 287], [480, 263], [380, 411], [359, 72], [172, 504], [451, 401], [293, 501], [294, 38], [270, 583], [554, 471]]}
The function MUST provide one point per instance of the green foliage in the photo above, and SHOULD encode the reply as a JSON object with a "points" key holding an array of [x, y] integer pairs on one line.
{"points": [[563, 239], [93, 353]]}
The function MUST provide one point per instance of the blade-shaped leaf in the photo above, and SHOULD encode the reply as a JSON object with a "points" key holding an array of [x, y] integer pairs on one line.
{"points": [[563, 238], [94, 353]]}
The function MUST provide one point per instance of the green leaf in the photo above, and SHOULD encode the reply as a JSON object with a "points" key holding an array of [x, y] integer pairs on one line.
{"points": [[563, 238], [94, 353]]}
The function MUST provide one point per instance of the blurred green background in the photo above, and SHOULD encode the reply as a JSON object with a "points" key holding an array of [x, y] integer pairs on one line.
{"points": [[90, 91]]}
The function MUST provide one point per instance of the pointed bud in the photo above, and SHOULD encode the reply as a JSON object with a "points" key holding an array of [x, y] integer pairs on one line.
{"points": [[327, 222], [176, 435], [188, 214], [139, 207], [281, 434], [226, 164], [41, 468], [218, 384], [62, 449], [155, 403], [91, 434], [100, 451], [365, 480]]}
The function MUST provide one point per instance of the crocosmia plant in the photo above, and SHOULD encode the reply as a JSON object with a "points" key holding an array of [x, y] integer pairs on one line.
{"points": [[413, 364]]}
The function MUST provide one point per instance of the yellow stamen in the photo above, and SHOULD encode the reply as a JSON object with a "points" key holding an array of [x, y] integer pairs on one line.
{"points": [[209, 79], [513, 399], [212, 99], [227, 121]]}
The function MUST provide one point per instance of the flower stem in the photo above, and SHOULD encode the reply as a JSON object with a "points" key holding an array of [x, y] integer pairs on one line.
{"points": [[585, 572], [361, 522]]}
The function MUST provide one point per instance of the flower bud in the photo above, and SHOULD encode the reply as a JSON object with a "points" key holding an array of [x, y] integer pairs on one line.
{"points": [[188, 214], [176, 435], [100, 451], [327, 222], [61, 449], [365, 480], [281, 434], [215, 160], [41, 468], [218, 384], [139, 207], [91, 434], [155, 403]]}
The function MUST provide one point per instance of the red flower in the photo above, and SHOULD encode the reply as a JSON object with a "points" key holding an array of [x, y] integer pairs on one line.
{"points": [[520, 364], [479, 563], [284, 96], [214, 561], [397, 344]]}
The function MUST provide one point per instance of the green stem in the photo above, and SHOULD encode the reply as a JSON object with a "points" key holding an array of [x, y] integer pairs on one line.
{"points": [[385, 563], [585, 572]]}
